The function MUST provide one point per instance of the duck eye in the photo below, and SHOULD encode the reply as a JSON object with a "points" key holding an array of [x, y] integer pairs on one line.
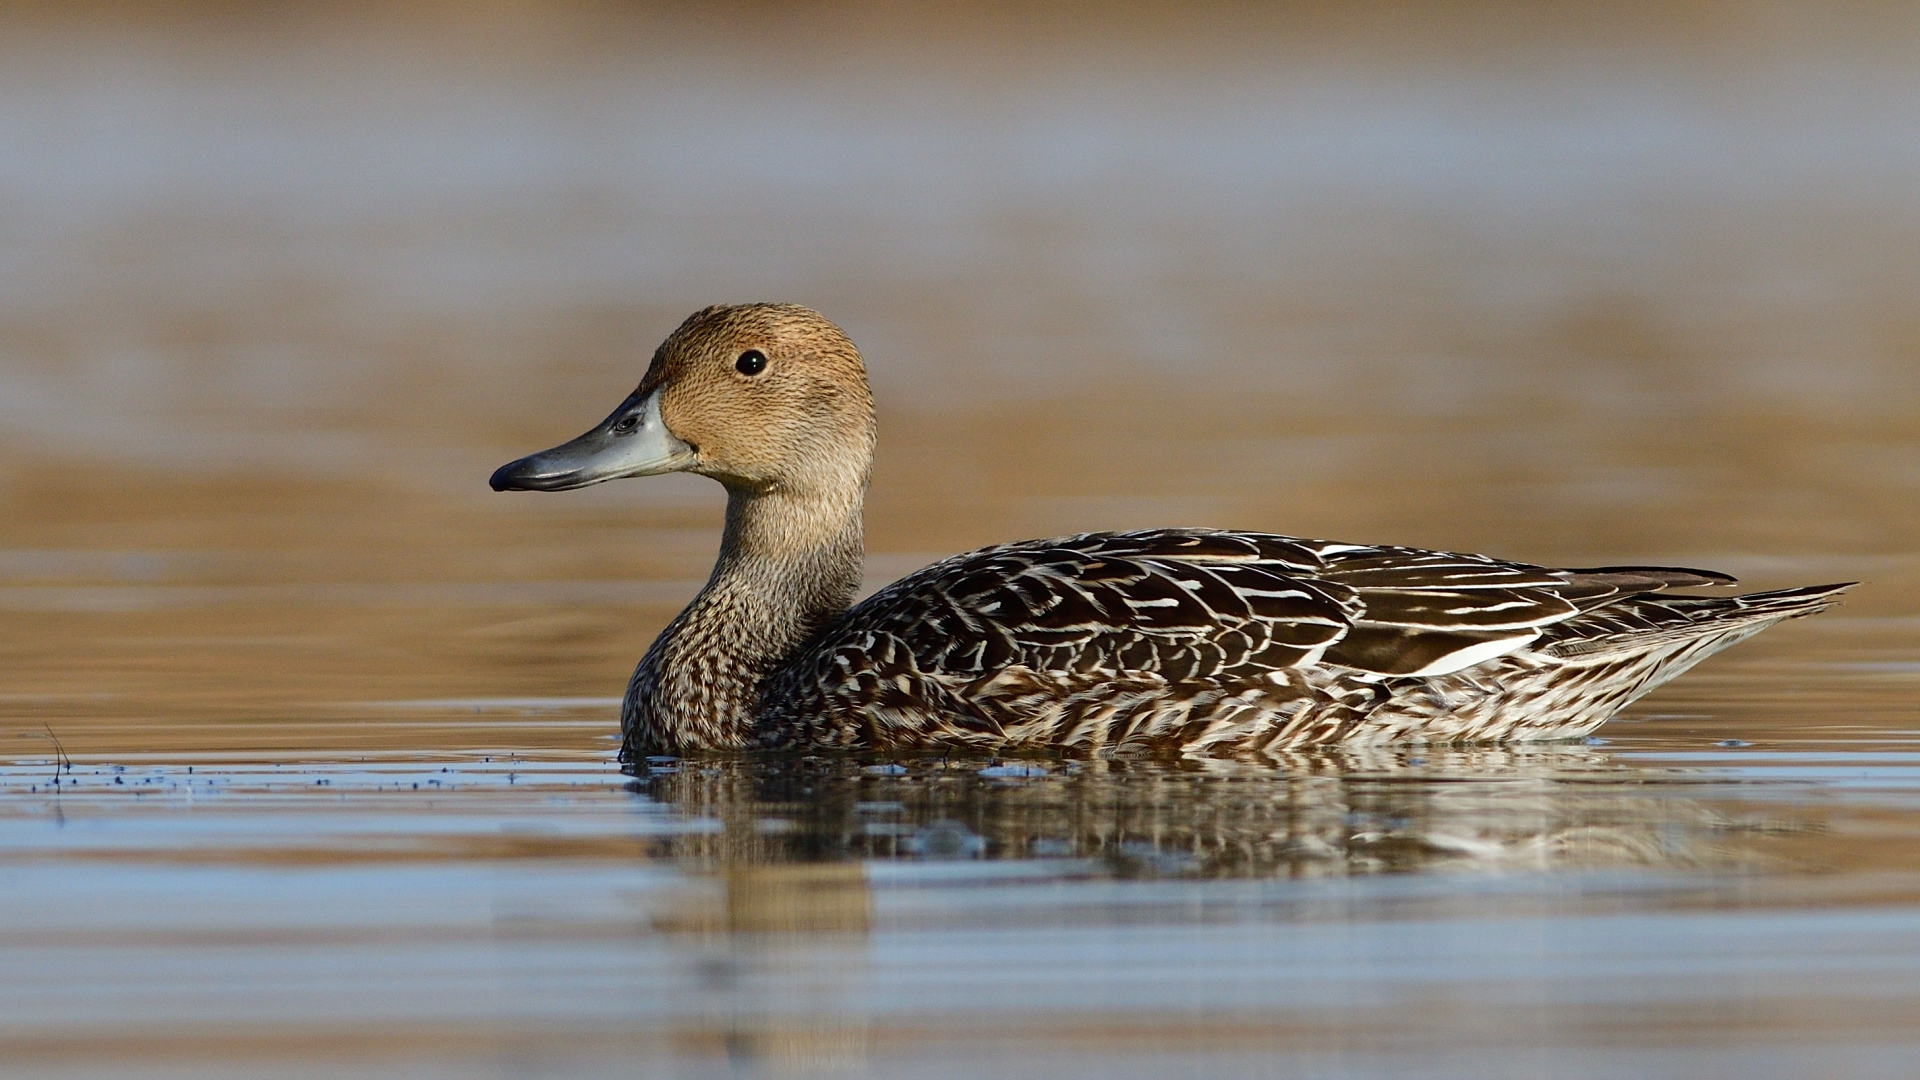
{"points": [[751, 362]]}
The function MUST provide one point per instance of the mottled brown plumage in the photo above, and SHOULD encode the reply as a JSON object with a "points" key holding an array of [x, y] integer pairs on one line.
{"points": [[1191, 641]]}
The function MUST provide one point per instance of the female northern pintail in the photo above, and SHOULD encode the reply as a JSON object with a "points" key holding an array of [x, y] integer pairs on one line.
{"points": [[1191, 640]]}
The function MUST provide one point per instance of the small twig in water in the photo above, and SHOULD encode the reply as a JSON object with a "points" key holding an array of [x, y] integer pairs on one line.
{"points": [[61, 760]]}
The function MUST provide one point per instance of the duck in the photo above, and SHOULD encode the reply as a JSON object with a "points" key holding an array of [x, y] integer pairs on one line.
{"points": [[1201, 642]]}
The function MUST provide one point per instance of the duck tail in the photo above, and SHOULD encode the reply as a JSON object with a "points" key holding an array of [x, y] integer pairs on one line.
{"points": [[1649, 620], [1793, 603]]}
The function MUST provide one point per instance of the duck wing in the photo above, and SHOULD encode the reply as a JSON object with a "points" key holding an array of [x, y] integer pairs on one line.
{"points": [[1424, 613], [1227, 606]]}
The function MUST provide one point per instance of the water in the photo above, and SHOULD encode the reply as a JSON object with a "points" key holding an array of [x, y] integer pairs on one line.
{"points": [[306, 737]]}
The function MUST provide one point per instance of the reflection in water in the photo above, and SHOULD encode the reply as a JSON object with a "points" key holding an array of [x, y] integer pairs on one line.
{"points": [[800, 869], [832, 915], [1336, 812]]}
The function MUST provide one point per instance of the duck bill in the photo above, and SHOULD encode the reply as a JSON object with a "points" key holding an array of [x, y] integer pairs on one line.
{"points": [[634, 441]]}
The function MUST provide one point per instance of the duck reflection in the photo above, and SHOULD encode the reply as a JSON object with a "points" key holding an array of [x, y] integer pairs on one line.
{"points": [[1316, 813], [782, 920]]}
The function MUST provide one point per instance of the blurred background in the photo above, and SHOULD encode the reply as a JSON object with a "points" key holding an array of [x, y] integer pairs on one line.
{"points": [[332, 724], [281, 284]]}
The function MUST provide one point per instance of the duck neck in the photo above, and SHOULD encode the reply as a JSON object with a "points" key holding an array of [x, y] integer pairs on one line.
{"points": [[789, 563]]}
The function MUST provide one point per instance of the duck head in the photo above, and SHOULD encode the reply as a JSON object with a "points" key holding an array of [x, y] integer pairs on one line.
{"points": [[762, 397]]}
